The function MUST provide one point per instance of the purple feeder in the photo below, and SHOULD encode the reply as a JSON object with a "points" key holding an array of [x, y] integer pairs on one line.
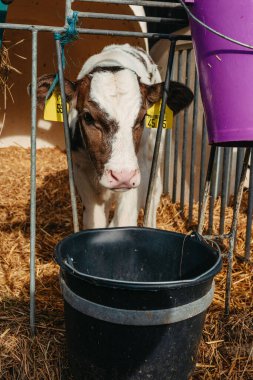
{"points": [[225, 68]]}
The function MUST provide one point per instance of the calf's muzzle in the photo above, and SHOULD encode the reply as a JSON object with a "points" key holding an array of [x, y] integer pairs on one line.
{"points": [[123, 179]]}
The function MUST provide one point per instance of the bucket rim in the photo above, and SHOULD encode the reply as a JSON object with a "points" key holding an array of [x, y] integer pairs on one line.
{"points": [[140, 285]]}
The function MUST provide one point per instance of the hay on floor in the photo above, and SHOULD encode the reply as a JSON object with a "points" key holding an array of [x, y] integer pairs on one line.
{"points": [[226, 348]]}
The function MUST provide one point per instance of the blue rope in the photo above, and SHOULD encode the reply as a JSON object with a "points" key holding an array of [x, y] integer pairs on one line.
{"points": [[70, 35]]}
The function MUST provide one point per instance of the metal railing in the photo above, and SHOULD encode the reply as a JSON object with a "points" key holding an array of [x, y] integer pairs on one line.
{"points": [[171, 183], [228, 162]]}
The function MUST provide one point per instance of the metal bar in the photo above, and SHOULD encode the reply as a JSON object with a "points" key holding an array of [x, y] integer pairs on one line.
{"points": [[67, 138], [166, 174], [202, 164], [112, 16], [233, 231], [239, 163], [218, 173], [167, 154], [224, 189], [218, 237], [185, 135], [33, 179], [68, 11], [159, 4], [175, 166], [193, 146], [159, 133], [229, 174], [213, 187], [119, 33], [3, 14], [248, 241], [206, 190], [176, 144]]}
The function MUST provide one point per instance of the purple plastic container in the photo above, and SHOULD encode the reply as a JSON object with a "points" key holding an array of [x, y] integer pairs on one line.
{"points": [[225, 68]]}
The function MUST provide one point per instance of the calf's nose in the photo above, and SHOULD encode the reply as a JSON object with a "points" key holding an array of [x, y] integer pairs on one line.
{"points": [[124, 179]]}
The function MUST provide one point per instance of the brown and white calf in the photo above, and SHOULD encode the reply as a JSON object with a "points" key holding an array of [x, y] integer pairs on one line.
{"points": [[111, 149]]}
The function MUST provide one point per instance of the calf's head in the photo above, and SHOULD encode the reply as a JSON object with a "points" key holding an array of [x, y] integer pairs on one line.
{"points": [[111, 105]]}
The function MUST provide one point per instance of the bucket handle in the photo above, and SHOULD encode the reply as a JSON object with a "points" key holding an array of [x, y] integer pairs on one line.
{"points": [[191, 15], [146, 285], [202, 239]]}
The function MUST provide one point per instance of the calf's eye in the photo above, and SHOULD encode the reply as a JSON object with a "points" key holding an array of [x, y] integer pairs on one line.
{"points": [[88, 118]]}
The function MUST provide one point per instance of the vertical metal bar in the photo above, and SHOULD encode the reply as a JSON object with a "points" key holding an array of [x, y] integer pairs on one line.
{"points": [[213, 186], [248, 241], [233, 231], [239, 163], [206, 190], [67, 138], [193, 146], [224, 189], [3, 14], [217, 174], [185, 135], [33, 179], [230, 163], [202, 164], [176, 144], [159, 133], [167, 154], [68, 10]]}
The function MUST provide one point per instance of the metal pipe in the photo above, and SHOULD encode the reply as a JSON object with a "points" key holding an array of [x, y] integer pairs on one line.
{"points": [[67, 137], [248, 241], [224, 189], [159, 133], [102, 32], [112, 16], [33, 179], [149, 3], [167, 154], [213, 187], [229, 174], [166, 174], [233, 231], [193, 146], [202, 164], [185, 135], [68, 11], [217, 174], [239, 163], [177, 126], [206, 190]]}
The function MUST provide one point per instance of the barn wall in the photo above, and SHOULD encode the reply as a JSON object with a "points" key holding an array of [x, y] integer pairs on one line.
{"points": [[16, 128]]}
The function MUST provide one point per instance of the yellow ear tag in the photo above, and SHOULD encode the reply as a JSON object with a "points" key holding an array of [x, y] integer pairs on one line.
{"points": [[153, 113], [53, 108]]}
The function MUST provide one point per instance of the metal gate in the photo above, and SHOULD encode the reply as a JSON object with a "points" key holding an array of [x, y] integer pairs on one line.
{"points": [[180, 65]]}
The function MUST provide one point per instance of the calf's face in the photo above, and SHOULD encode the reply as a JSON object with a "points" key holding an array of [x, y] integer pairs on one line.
{"points": [[110, 111], [111, 106]]}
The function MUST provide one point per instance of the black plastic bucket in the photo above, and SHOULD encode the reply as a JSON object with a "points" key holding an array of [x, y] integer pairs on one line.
{"points": [[135, 301]]}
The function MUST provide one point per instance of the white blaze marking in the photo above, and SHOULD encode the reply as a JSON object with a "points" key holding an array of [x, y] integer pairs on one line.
{"points": [[118, 94]]}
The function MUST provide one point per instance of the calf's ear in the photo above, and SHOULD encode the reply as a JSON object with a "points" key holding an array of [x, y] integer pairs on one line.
{"points": [[43, 85], [179, 96]]}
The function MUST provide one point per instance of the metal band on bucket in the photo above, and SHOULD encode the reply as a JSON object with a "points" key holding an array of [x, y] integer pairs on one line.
{"points": [[137, 317]]}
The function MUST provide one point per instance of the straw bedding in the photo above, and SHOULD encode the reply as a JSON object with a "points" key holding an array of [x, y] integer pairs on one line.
{"points": [[7, 56], [226, 348]]}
